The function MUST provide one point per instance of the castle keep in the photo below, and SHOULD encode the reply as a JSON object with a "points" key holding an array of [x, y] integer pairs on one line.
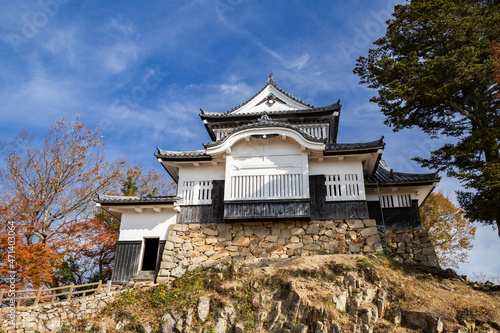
{"points": [[274, 182]]}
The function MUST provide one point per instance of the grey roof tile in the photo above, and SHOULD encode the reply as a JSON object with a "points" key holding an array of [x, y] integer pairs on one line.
{"points": [[384, 175], [355, 146], [186, 153], [116, 199], [205, 114], [271, 83]]}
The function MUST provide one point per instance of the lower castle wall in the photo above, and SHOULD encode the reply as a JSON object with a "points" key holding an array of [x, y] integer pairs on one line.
{"points": [[190, 246], [53, 317]]}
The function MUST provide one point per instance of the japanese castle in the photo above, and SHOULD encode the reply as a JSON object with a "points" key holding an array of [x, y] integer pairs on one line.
{"points": [[273, 158]]}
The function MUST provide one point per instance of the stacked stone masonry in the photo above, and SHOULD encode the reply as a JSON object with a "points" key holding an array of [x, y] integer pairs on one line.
{"points": [[190, 246], [54, 317]]}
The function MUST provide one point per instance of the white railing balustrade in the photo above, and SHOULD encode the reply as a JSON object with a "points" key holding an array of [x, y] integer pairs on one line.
{"points": [[285, 186], [197, 192], [343, 187], [319, 131], [395, 200]]}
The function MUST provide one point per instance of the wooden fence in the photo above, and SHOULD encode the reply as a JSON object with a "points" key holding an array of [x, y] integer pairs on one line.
{"points": [[48, 296]]}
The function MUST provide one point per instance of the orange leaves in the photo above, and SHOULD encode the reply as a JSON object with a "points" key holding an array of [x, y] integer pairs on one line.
{"points": [[49, 187], [450, 231], [49, 192]]}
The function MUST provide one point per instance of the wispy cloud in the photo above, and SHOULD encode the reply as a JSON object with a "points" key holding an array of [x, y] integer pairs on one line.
{"points": [[121, 48]]}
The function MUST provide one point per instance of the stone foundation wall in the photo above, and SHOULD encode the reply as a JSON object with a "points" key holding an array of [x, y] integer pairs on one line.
{"points": [[53, 317], [411, 247], [190, 246]]}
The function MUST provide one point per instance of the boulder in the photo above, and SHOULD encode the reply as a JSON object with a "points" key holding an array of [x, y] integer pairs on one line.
{"points": [[203, 308], [167, 323], [428, 322], [274, 315], [221, 326]]}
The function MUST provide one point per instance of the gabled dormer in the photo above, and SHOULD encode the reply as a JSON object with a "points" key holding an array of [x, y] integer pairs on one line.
{"points": [[271, 100]]}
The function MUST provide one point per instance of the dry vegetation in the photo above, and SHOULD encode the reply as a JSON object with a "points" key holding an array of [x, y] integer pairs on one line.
{"points": [[252, 288]]}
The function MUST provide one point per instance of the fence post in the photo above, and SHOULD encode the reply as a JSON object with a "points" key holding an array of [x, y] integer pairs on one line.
{"points": [[71, 287], [108, 286], [99, 286], [38, 294]]}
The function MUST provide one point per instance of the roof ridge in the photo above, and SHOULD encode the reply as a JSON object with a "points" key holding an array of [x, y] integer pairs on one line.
{"points": [[270, 82]]}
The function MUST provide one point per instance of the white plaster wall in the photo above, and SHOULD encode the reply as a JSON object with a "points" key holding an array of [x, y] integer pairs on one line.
{"points": [[136, 226], [205, 171], [332, 166], [273, 154]]}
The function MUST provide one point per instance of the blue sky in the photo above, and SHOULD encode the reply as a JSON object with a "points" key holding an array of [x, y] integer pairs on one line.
{"points": [[140, 71]]}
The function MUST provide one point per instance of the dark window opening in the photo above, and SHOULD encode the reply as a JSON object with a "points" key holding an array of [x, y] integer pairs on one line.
{"points": [[150, 254]]}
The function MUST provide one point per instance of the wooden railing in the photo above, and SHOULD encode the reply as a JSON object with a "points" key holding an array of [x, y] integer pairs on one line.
{"points": [[33, 297], [197, 192], [285, 186], [395, 200], [319, 131], [343, 187]]}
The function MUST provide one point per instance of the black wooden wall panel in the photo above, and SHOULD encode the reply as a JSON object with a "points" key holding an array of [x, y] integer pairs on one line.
{"points": [[331, 210], [161, 247], [271, 209], [403, 218], [205, 213], [126, 260]]}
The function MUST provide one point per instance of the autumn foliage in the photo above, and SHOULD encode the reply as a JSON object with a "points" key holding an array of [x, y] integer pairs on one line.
{"points": [[450, 231], [47, 194]]}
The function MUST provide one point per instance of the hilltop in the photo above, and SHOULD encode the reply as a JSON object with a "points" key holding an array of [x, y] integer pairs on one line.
{"points": [[323, 293]]}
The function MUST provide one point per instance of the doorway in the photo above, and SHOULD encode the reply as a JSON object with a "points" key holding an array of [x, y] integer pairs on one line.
{"points": [[150, 255]]}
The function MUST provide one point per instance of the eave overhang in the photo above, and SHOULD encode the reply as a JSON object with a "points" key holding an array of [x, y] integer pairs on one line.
{"points": [[289, 114], [168, 159], [384, 177], [115, 205], [369, 152], [182, 156], [115, 200]]}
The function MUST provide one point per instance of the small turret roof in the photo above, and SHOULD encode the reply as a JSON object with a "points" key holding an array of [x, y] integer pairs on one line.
{"points": [[115, 199], [387, 177]]}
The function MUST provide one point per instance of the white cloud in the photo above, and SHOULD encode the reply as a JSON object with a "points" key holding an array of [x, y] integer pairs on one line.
{"points": [[299, 62], [121, 47], [117, 57], [235, 89]]}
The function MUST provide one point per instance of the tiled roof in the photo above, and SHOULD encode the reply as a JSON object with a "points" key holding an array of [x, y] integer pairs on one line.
{"points": [[386, 176], [206, 114], [271, 82], [263, 124], [355, 146], [181, 154], [115, 199]]}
